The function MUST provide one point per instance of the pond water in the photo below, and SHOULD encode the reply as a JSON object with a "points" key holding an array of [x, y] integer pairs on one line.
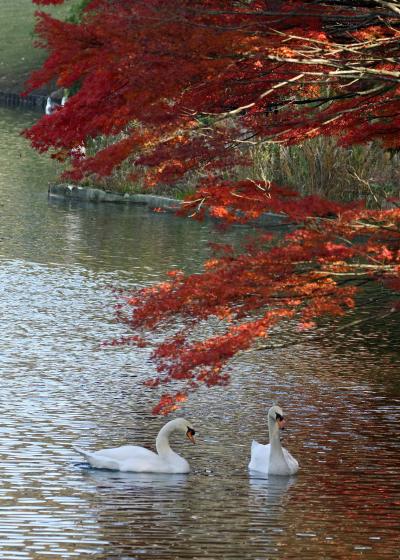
{"points": [[59, 388]]}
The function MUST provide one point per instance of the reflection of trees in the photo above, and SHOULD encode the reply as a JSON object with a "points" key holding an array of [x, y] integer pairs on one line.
{"points": [[343, 509], [134, 239]]}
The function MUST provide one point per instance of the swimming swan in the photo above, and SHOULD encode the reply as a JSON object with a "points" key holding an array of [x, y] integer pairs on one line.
{"points": [[273, 458], [131, 458]]}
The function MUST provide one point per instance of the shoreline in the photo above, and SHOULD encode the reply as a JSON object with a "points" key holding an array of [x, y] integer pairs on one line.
{"points": [[65, 191], [88, 194]]}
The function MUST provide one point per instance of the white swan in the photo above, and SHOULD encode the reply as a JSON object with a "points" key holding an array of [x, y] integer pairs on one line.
{"points": [[273, 458], [131, 458]]}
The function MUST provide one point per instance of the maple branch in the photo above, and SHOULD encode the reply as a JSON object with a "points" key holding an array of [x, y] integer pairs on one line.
{"points": [[365, 320], [202, 84]]}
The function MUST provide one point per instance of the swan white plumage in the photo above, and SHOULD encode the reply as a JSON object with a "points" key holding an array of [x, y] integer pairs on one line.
{"points": [[132, 458], [273, 458]]}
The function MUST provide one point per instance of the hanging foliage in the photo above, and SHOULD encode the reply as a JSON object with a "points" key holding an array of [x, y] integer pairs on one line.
{"points": [[205, 82]]}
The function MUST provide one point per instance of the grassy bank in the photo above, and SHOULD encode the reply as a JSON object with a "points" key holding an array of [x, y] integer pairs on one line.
{"points": [[18, 57], [315, 167], [321, 167]]}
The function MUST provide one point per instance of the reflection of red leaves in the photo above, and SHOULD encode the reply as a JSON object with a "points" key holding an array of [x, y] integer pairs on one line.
{"points": [[159, 209]]}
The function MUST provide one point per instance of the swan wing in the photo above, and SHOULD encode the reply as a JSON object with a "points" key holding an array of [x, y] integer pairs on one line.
{"points": [[126, 457], [291, 461], [259, 457], [127, 452]]}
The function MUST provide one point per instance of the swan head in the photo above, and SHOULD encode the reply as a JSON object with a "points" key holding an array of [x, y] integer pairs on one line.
{"points": [[275, 413], [182, 425]]}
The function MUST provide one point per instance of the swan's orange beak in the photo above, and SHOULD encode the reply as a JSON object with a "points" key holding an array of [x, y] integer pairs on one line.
{"points": [[281, 423], [190, 435]]}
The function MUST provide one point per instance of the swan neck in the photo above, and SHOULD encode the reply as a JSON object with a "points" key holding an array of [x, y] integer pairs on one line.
{"points": [[162, 441], [274, 436], [277, 462]]}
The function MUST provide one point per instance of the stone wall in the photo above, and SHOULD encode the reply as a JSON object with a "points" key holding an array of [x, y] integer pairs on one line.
{"points": [[153, 202], [36, 102], [74, 192]]}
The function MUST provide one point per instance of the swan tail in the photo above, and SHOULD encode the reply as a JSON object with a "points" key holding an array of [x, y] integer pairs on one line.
{"points": [[97, 460], [82, 452]]}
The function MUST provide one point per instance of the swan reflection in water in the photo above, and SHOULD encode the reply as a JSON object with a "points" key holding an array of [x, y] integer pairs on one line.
{"points": [[268, 502], [269, 493], [271, 489], [137, 513], [128, 482], [143, 493]]}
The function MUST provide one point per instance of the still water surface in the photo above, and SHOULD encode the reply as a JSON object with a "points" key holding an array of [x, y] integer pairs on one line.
{"points": [[59, 388]]}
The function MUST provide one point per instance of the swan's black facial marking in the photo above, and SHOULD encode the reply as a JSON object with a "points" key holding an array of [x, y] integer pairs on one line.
{"points": [[279, 417], [190, 434]]}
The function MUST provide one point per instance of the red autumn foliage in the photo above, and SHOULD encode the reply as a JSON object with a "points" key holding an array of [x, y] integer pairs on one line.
{"points": [[191, 86], [169, 403]]}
